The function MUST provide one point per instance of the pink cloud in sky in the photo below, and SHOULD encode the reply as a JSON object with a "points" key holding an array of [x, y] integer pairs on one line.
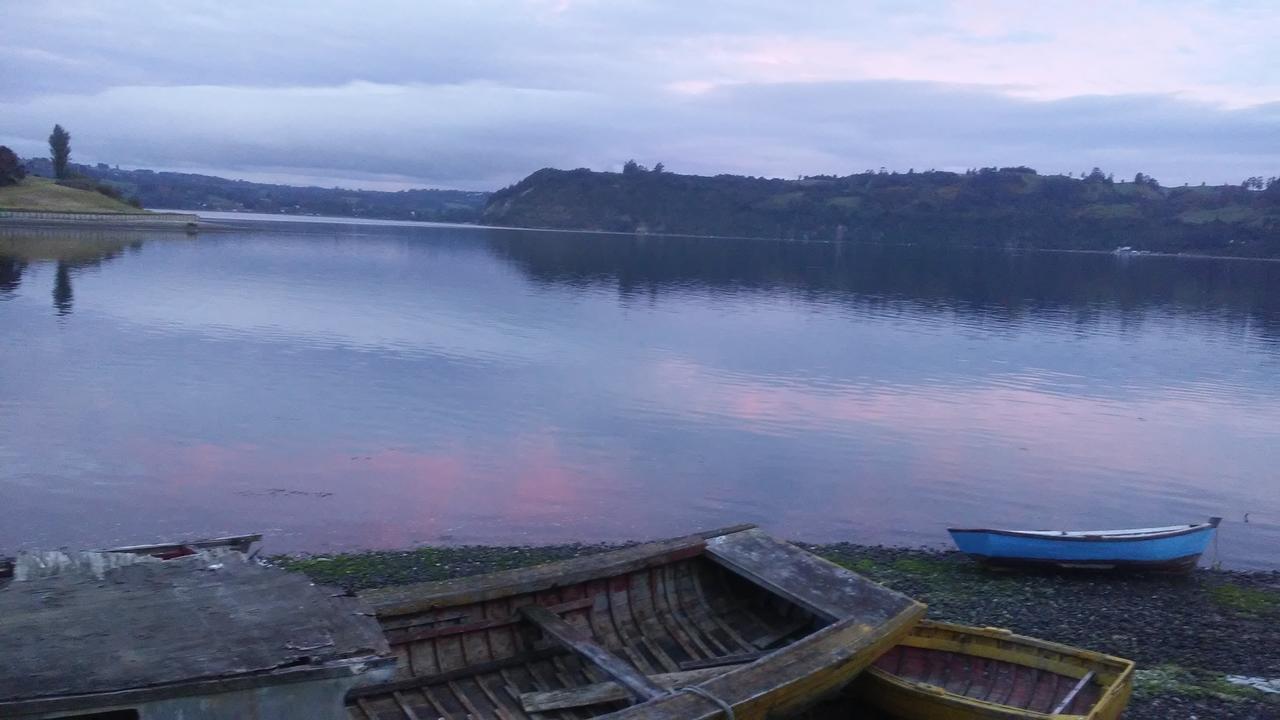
{"points": [[1038, 51]]}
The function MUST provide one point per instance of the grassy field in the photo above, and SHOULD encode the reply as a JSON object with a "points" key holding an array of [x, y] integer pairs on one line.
{"points": [[43, 195]]}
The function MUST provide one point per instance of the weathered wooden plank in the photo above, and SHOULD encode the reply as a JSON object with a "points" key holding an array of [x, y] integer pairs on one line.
{"points": [[787, 680], [499, 706], [915, 663], [819, 586], [675, 643], [367, 708], [776, 635], [1045, 693], [450, 653], [183, 622], [404, 706], [630, 621], [981, 684], [713, 614], [1072, 693], [1090, 696], [605, 692], [687, 614], [425, 596], [633, 680], [1024, 679], [1006, 683], [958, 677], [522, 680], [437, 710], [553, 675], [443, 701], [669, 609], [419, 597], [465, 699], [239, 543], [721, 661], [443, 677], [511, 687], [655, 637], [65, 704], [607, 630]]}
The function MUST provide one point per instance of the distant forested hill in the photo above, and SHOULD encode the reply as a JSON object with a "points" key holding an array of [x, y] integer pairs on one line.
{"points": [[185, 191], [1009, 207]]}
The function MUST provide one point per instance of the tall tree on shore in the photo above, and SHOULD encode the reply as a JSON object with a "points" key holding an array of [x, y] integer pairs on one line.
{"points": [[60, 150], [11, 170]]}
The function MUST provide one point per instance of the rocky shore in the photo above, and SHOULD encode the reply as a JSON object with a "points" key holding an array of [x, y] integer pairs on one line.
{"points": [[1194, 637]]}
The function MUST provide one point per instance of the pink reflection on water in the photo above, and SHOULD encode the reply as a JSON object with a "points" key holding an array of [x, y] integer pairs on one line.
{"points": [[543, 477], [1018, 449], [311, 498], [1149, 431]]}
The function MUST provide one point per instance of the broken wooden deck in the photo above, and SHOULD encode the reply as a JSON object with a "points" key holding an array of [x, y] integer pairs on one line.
{"points": [[133, 628]]}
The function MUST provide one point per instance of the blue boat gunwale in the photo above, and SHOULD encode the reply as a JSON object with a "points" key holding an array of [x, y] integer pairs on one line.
{"points": [[1080, 537]]}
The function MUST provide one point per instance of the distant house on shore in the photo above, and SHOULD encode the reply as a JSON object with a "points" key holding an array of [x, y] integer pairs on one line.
{"points": [[211, 635]]}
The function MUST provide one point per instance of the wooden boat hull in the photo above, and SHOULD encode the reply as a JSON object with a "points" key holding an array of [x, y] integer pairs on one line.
{"points": [[1168, 550], [952, 672], [784, 627]]}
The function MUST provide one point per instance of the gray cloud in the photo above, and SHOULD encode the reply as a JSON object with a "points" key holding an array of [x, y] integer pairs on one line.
{"points": [[476, 95]]}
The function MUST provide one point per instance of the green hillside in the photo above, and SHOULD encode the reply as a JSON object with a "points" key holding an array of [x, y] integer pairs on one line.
{"points": [[1003, 207], [42, 194], [187, 191]]}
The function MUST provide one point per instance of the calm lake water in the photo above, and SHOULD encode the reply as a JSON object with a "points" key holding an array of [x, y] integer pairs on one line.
{"points": [[351, 386]]}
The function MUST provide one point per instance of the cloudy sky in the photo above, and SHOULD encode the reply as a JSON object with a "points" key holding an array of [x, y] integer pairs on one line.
{"points": [[475, 95]]}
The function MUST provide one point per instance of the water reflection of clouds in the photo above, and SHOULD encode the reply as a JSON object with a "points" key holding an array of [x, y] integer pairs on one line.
{"points": [[1025, 395], [460, 391], [504, 487], [381, 304], [1143, 432]]}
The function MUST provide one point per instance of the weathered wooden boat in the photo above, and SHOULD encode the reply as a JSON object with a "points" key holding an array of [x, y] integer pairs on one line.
{"points": [[730, 623], [1170, 549], [167, 551], [952, 672]]}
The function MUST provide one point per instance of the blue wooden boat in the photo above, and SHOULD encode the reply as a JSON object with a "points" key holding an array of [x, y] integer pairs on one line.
{"points": [[1170, 549]]}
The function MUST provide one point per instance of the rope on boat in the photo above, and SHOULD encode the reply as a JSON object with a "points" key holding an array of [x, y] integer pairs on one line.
{"points": [[707, 695]]}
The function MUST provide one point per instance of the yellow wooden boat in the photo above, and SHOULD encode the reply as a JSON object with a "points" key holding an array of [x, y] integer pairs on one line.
{"points": [[953, 672]]}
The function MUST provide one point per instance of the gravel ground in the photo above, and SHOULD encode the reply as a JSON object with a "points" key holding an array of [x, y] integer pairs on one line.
{"points": [[1184, 632], [1187, 633]]}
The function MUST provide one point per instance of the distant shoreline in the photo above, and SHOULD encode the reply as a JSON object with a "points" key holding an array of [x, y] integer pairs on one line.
{"points": [[216, 216], [205, 221]]}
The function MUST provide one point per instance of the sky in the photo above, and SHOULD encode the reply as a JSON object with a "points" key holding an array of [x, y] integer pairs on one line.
{"points": [[477, 94]]}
